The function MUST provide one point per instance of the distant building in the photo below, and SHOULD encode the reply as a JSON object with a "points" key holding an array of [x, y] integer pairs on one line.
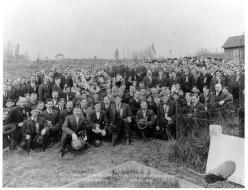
{"points": [[234, 48], [59, 56]]}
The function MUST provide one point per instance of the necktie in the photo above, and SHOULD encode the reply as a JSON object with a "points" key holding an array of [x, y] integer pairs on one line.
{"points": [[77, 119], [144, 114]]}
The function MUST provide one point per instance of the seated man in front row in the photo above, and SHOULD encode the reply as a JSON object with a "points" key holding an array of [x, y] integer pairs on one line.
{"points": [[145, 120], [120, 120], [99, 120], [34, 131], [52, 117], [166, 118], [73, 127]]}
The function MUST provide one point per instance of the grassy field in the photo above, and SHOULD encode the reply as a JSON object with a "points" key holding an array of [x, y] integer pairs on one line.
{"points": [[12, 70], [49, 169]]}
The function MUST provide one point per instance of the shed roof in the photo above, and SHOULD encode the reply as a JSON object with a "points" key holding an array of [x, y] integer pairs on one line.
{"points": [[234, 41]]}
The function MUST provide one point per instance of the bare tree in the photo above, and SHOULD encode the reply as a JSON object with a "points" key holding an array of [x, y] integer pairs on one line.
{"points": [[117, 54]]}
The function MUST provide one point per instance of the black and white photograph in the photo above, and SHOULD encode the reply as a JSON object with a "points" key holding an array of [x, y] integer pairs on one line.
{"points": [[123, 94]]}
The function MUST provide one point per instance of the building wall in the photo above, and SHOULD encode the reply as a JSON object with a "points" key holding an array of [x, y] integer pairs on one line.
{"points": [[234, 54]]}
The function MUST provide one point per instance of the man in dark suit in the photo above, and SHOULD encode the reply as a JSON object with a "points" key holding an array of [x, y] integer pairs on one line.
{"points": [[230, 81], [196, 108], [11, 92], [52, 118], [166, 117], [32, 129], [106, 107], [33, 101], [68, 111], [149, 80], [68, 79], [145, 116], [32, 86], [86, 110], [120, 119], [16, 116], [55, 98], [188, 80], [174, 79], [127, 96], [72, 128], [45, 90], [200, 82], [151, 104], [99, 119], [162, 80], [59, 75], [56, 87], [68, 95], [216, 98], [218, 79], [204, 96], [134, 102]]}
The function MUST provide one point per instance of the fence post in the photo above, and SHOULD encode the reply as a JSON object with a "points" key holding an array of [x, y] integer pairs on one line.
{"points": [[176, 120]]}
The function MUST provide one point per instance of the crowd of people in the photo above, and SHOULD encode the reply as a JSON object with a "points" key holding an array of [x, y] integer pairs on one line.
{"points": [[97, 102]]}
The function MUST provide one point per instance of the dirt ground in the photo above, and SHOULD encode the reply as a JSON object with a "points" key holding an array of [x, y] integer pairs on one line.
{"points": [[49, 169]]}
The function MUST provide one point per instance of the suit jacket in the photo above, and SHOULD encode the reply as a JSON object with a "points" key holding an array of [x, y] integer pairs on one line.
{"points": [[230, 82], [63, 115], [62, 84], [58, 89], [13, 94], [31, 90], [208, 79], [106, 110], [214, 81], [161, 112], [148, 83], [175, 80], [149, 114], [187, 86], [31, 105], [71, 96], [16, 115], [153, 106], [134, 105], [126, 97], [88, 112], [200, 82], [214, 100], [204, 100], [164, 81], [71, 126], [44, 92], [102, 121], [29, 126], [21, 89], [54, 118], [69, 81], [115, 116]]}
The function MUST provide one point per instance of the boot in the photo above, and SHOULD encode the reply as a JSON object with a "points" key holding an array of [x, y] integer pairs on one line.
{"points": [[62, 152], [128, 141], [114, 138]]}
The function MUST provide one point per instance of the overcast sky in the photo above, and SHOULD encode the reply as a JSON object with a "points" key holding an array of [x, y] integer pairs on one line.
{"points": [[84, 28]]}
